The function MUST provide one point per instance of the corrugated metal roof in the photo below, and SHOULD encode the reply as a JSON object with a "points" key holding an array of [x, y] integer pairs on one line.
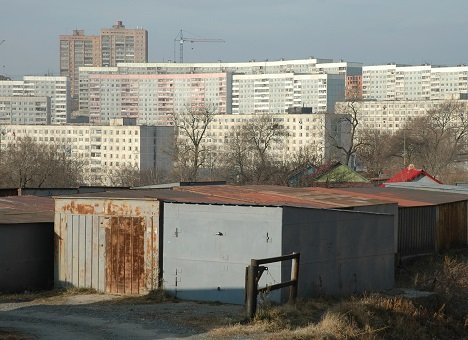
{"points": [[405, 197], [452, 189], [261, 195], [26, 209]]}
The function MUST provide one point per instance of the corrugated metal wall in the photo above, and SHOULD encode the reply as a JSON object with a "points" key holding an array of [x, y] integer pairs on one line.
{"points": [[111, 246], [416, 230], [452, 225]]}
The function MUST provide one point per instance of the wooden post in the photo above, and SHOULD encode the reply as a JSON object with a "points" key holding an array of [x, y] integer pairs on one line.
{"points": [[251, 291], [294, 278]]}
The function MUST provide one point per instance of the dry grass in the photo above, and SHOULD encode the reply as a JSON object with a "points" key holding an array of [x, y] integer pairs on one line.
{"points": [[443, 314]]}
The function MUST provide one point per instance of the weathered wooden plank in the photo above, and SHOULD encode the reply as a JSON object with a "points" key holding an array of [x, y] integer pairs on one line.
{"points": [[127, 232], [95, 253], [88, 249], [103, 241], [82, 250], [75, 251]]}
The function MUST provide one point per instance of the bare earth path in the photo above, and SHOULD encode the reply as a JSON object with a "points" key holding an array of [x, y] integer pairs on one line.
{"points": [[96, 316]]}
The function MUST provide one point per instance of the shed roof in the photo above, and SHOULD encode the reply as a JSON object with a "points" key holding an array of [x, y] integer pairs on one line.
{"points": [[453, 189], [405, 197], [410, 174], [26, 209], [261, 195]]}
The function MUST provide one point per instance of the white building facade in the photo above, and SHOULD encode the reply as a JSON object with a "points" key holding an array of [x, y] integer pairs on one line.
{"points": [[313, 132], [154, 90], [56, 88], [24, 110], [426, 82], [390, 116], [103, 149]]}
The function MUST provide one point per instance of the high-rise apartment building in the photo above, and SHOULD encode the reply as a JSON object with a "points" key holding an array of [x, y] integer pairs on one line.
{"points": [[78, 50], [24, 110], [123, 45], [55, 88], [114, 45], [152, 91], [425, 82]]}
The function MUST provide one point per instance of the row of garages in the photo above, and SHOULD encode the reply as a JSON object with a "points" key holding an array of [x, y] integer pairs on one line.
{"points": [[196, 241]]}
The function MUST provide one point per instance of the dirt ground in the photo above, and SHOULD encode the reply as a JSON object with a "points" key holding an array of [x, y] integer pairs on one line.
{"points": [[100, 316]]}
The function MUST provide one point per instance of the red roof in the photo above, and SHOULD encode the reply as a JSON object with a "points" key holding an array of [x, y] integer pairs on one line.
{"points": [[409, 174]]}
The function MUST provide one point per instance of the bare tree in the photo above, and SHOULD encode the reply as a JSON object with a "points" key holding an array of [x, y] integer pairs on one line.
{"points": [[349, 122], [26, 163], [190, 150], [249, 155], [436, 140], [377, 151], [124, 176]]}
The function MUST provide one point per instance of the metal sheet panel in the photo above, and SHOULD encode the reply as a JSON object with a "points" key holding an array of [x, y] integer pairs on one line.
{"points": [[452, 225], [109, 245], [207, 247], [342, 252], [416, 230]]}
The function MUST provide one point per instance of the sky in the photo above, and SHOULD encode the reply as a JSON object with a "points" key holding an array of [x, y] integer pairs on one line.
{"points": [[368, 31]]}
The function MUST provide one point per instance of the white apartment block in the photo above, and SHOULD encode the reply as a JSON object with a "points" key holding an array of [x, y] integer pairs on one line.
{"points": [[426, 82], [389, 116], [153, 98], [56, 88], [250, 87], [276, 93], [312, 131], [24, 110], [105, 148]]}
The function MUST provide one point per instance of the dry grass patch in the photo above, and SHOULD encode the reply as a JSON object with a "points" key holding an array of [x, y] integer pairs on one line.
{"points": [[443, 314]]}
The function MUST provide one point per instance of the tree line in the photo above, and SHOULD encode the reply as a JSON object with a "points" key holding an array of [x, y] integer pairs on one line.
{"points": [[253, 152]]}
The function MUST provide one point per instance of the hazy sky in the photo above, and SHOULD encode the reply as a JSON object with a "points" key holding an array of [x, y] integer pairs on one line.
{"points": [[369, 31]]}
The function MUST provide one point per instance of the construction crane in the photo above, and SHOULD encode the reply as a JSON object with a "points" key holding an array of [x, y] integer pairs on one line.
{"points": [[180, 39]]}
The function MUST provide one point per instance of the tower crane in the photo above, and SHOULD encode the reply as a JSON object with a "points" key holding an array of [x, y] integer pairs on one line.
{"points": [[180, 39]]}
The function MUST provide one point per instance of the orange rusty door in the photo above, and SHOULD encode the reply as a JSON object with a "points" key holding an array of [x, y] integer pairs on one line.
{"points": [[125, 255]]}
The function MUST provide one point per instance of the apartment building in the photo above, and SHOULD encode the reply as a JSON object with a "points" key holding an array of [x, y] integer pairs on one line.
{"points": [[24, 110], [123, 45], [389, 116], [276, 93], [55, 88], [426, 82], [316, 132], [114, 45], [104, 148], [78, 50], [252, 87], [152, 99]]}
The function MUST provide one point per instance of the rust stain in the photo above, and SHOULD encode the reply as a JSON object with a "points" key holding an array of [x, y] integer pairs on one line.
{"points": [[125, 268], [79, 208], [137, 211], [121, 209]]}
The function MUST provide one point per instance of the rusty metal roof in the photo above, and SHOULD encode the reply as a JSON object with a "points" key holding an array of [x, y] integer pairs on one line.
{"points": [[260, 195], [26, 209], [405, 197]]}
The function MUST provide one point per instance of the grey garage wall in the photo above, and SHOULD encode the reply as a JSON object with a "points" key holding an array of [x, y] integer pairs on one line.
{"points": [[207, 247], [342, 252], [26, 257]]}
